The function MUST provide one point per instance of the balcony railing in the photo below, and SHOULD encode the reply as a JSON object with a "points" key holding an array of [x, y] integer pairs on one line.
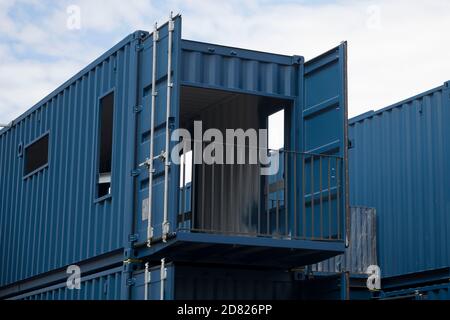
{"points": [[302, 200]]}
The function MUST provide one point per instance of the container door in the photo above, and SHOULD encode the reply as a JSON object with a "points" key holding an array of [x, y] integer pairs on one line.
{"points": [[155, 279], [144, 126], [321, 135]]}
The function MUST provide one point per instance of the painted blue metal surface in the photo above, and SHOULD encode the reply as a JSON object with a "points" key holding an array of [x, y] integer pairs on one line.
{"points": [[399, 165], [197, 282], [322, 124], [143, 132], [105, 285], [52, 218], [239, 70], [432, 292], [155, 283]]}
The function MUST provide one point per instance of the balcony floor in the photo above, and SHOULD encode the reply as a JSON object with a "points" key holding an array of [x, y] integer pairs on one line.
{"points": [[242, 250]]}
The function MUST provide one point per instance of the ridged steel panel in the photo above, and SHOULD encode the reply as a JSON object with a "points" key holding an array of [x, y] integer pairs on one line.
{"points": [[105, 285], [399, 164], [197, 282], [362, 250], [51, 219], [228, 197], [219, 67], [194, 283], [432, 292], [226, 283]]}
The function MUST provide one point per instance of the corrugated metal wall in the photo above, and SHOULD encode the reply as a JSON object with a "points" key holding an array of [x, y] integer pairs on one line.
{"points": [[399, 164], [362, 251], [105, 285], [227, 195], [317, 122], [227, 283], [51, 219], [214, 66], [432, 292], [194, 283]]}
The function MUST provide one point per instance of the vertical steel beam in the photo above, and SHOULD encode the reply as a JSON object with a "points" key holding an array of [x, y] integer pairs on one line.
{"points": [[152, 138], [165, 225]]}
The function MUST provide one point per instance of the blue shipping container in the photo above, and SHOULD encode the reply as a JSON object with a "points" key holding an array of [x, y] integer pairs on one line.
{"points": [[399, 164], [196, 282], [75, 167], [105, 285], [432, 292]]}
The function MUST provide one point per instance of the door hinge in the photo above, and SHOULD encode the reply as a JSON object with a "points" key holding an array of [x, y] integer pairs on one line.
{"points": [[131, 282], [135, 172], [133, 237], [139, 47], [130, 264], [137, 108]]}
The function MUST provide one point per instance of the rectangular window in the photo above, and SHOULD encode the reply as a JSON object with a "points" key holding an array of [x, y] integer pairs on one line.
{"points": [[105, 147], [36, 155]]}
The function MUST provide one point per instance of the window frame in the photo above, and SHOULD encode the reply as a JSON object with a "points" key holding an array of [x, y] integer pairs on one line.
{"points": [[24, 155], [97, 155]]}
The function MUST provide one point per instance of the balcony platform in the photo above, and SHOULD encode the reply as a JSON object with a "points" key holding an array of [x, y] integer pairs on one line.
{"points": [[242, 250]]}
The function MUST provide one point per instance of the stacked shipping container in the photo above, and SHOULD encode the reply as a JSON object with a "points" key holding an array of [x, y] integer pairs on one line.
{"points": [[399, 165], [85, 203], [77, 171]]}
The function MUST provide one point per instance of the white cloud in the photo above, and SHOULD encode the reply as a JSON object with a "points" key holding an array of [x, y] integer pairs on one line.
{"points": [[396, 48]]}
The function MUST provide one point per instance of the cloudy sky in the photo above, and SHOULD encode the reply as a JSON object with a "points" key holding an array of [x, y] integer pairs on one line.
{"points": [[396, 48]]}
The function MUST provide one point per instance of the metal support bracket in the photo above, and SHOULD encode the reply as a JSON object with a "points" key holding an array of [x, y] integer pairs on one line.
{"points": [[150, 232], [147, 163], [165, 231], [162, 156], [171, 24], [130, 264], [131, 282]]}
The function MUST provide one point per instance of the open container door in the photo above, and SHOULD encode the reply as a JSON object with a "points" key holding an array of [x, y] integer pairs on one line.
{"points": [[320, 135], [157, 87]]}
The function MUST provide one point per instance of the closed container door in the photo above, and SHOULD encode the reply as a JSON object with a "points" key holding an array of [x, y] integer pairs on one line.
{"points": [[159, 138], [157, 284]]}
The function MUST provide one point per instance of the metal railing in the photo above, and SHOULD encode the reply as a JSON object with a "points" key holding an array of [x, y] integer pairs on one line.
{"points": [[301, 200]]}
